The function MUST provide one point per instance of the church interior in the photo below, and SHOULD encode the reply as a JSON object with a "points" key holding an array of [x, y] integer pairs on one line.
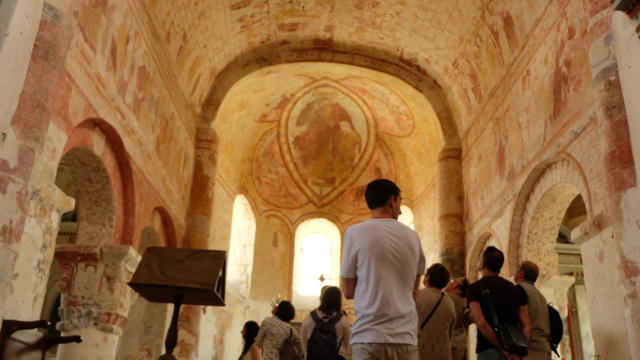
{"points": [[253, 127]]}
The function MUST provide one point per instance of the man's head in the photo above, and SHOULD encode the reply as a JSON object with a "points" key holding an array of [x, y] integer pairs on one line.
{"points": [[438, 276], [492, 259], [383, 194], [527, 271]]}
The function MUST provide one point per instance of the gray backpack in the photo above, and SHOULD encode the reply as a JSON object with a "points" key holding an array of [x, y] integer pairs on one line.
{"points": [[289, 349]]}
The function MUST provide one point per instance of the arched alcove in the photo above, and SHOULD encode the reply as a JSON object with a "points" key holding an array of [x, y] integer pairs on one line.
{"points": [[83, 176], [541, 206], [553, 203], [241, 247], [316, 260]]}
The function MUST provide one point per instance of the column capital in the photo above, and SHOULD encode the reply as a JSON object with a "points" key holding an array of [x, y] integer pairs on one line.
{"points": [[93, 284]]}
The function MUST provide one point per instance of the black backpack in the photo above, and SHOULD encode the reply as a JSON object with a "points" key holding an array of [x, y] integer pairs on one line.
{"points": [[323, 342], [557, 328]]}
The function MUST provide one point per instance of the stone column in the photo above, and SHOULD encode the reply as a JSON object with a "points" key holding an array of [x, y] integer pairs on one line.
{"points": [[451, 211], [198, 231], [95, 298], [22, 136], [609, 258], [201, 201]]}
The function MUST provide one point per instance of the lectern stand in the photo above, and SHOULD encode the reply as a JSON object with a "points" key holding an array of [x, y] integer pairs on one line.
{"points": [[180, 276]]}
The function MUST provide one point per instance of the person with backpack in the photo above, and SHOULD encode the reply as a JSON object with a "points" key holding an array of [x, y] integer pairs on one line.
{"points": [[495, 298], [325, 331], [277, 338], [539, 346]]}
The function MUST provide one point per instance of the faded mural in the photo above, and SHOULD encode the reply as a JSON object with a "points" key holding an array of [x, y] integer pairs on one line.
{"points": [[325, 138]]}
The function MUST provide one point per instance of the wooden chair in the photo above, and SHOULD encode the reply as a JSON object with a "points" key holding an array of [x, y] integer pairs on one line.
{"points": [[21, 340]]}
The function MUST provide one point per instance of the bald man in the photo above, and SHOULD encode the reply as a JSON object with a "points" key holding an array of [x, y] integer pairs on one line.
{"points": [[539, 347]]}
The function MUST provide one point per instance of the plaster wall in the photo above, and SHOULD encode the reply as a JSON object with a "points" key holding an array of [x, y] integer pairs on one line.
{"points": [[425, 214], [31, 271], [19, 22], [558, 100], [627, 47]]}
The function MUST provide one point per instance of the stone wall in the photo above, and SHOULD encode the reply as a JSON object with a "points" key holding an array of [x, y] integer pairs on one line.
{"points": [[560, 101]]}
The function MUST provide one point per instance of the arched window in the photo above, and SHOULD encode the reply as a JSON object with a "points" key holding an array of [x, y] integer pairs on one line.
{"points": [[406, 216], [243, 234], [316, 261]]}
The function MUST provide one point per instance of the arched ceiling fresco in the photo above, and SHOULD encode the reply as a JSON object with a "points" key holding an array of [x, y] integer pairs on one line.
{"points": [[467, 46], [314, 134]]}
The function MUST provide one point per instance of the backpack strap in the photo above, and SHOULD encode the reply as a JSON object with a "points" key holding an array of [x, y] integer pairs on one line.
{"points": [[336, 318], [314, 316], [431, 313], [333, 320]]}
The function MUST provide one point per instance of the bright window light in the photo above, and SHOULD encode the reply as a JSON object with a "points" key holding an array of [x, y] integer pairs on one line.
{"points": [[406, 217], [316, 261]]}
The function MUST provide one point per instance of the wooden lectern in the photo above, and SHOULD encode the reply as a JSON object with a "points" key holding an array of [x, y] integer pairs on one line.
{"points": [[180, 276]]}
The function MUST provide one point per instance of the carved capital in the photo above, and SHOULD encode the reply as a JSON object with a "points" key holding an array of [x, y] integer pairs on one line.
{"points": [[83, 317], [93, 283]]}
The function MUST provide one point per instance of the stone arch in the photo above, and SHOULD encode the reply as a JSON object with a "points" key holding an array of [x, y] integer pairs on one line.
{"points": [[541, 203], [167, 226], [315, 215], [83, 176], [312, 50], [103, 140]]}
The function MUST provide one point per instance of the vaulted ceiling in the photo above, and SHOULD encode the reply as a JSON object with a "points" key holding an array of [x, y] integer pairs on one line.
{"points": [[465, 46], [306, 136]]}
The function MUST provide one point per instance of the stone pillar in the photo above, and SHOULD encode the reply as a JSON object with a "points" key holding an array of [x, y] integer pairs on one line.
{"points": [[95, 298], [22, 137], [201, 201], [198, 231], [451, 211], [608, 266]]}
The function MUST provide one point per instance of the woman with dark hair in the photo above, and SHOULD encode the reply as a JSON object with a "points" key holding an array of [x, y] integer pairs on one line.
{"points": [[330, 310], [250, 350], [276, 330]]}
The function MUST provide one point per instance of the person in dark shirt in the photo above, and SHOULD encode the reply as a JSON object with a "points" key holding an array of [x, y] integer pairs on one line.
{"points": [[509, 302]]}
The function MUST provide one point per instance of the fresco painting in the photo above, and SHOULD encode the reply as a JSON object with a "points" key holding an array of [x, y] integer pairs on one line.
{"points": [[327, 137], [271, 178], [380, 166], [390, 111]]}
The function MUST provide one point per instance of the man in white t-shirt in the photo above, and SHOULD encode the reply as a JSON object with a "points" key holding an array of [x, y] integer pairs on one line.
{"points": [[382, 262]]}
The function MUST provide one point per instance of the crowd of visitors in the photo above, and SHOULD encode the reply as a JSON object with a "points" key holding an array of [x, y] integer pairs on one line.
{"points": [[382, 267]]}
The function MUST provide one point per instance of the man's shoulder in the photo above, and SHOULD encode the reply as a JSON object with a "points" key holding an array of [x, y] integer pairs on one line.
{"points": [[372, 225], [495, 283]]}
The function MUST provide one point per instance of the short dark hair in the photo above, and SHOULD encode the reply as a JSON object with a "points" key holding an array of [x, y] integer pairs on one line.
{"points": [[331, 300], [492, 259], [285, 311], [529, 271], [438, 275], [379, 191]]}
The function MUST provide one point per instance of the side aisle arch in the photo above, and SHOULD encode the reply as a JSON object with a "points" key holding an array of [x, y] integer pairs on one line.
{"points": [[539, 210]]}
